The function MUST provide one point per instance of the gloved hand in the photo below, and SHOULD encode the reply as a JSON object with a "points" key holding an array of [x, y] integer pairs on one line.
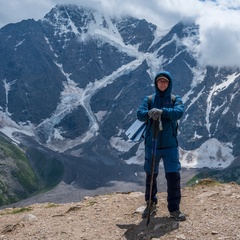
{"points": [[155, 113]]}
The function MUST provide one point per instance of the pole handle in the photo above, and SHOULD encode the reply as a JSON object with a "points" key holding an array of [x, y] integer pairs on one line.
{"points": [[160, 124]]}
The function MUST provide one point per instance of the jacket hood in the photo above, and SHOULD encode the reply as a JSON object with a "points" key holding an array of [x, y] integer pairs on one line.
{"points": [[168, 91]]}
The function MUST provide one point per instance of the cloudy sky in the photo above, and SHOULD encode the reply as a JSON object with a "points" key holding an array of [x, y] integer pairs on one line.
{"points": [[219, 20]]}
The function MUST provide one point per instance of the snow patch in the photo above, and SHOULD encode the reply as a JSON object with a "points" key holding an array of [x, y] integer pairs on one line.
{"points": [[212, 154], [9, 127], [139, 157], [7, 86], [214, 91], [238, 120], [120, 144], [100, 115], [18, 44]]}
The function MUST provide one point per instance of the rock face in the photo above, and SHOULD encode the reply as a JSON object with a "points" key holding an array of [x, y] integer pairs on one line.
{"points": [[212, 212], [72, 81]]}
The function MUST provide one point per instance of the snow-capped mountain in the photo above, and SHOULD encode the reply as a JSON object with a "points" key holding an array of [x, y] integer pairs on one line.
{"points": [[73, 80]]}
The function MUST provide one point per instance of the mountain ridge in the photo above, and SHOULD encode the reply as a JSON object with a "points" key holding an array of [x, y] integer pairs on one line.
{"points": [[72, 81]]}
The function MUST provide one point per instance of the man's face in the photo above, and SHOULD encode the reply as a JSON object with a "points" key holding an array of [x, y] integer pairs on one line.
{"points": [[162, 84]]}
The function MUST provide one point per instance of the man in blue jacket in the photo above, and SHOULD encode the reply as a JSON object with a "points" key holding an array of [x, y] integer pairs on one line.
{"points": [[168, 109]]}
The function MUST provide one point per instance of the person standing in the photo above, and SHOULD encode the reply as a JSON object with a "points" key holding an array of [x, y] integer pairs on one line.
{"points": [[168, 109]]}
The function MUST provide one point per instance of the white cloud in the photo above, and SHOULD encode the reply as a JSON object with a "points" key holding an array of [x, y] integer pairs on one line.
{"points": [[220, 37], [219, 20], [17, 10], [164, 13]]}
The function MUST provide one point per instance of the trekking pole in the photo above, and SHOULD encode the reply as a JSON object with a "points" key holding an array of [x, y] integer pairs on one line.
{"points": [[156, 128]]}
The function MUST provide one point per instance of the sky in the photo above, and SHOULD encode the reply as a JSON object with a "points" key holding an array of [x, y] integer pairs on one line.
{"points": [[219, 20]]}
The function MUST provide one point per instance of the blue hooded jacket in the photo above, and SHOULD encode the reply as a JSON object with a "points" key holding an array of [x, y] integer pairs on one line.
{"points": [[172, 111]]}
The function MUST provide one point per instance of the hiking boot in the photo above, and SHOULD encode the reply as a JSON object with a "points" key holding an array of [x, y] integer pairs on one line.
{"points": [[177, 215], [153, 209]]}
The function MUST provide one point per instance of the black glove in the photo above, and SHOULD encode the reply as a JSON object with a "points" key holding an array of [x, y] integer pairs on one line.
{"points": [[155, 113]]}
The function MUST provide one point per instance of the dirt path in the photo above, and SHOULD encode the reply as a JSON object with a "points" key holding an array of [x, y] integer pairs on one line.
{"points": [[213, 212]]}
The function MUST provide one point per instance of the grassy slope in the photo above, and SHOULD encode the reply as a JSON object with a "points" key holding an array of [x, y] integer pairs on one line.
{"points": [[18, 180]]}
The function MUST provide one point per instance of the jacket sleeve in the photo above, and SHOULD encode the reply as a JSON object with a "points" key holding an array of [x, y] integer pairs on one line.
{"points": [[142, 112], [176, 112]]}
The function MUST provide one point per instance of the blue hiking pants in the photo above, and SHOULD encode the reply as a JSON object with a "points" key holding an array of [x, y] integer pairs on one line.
{"points": [[170, 157], [172, 167]]}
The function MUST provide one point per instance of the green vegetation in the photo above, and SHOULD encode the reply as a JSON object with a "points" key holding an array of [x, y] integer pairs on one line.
{"points": [[17, 179], [25, 173], [92, 203], [15, 210], [51, 205], [48, 169], [230, 174], [21, 210], [207, 182]]}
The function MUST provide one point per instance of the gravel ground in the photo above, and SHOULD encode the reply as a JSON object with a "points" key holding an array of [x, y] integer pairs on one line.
{"points": [[213, 212]]}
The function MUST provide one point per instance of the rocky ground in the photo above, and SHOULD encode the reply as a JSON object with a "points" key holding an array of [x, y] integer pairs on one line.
{"points": [[212, 210]]}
